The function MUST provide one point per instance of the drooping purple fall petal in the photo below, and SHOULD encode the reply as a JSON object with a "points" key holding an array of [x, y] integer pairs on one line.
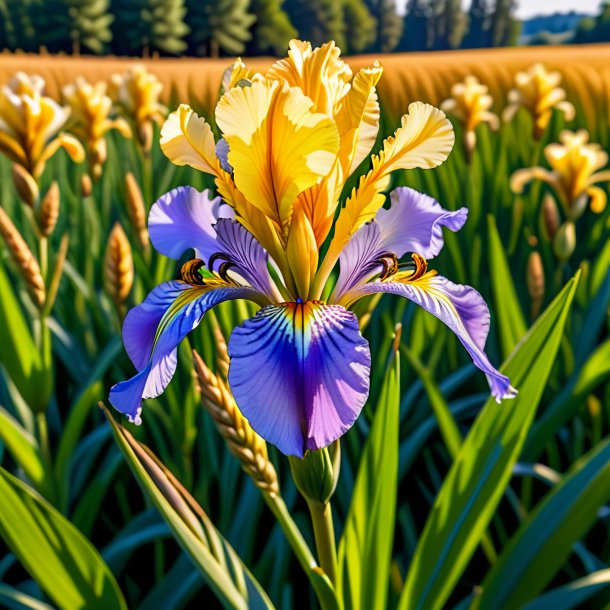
{"points": [[461, 308], [182, 315], [299, 373]]}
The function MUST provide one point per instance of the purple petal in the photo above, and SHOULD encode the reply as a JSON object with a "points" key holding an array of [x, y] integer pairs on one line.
{"points": [[414, 222], [247, 256], [461, 308], [358, 261], [179, 318], [140, 325], [184, 218], [300, 374]]}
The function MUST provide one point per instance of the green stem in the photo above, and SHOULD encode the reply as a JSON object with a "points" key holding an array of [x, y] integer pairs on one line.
{"points": [[320, 583], [43, 437], [324, 534], [43, 247]]}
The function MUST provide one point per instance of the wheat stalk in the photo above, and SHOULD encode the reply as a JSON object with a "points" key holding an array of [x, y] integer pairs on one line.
{"points": [[137, 209], [118, 266], [249, 448], [48, 212], [25, 260]]}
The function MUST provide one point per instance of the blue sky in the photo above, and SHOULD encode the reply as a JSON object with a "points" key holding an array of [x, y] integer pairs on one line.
{"points": [[529, 8]]}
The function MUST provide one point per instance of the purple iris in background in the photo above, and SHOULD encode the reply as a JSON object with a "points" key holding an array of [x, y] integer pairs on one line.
{"points": [[299, 368]]}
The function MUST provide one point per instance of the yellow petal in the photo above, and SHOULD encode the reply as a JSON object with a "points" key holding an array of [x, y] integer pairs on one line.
{"points": [[598, 199], [358, 119], [277, 146], [186, 139], [64, 140], [321, 74], [236, 73], [12, 149], [423, 140], [302, 251]]}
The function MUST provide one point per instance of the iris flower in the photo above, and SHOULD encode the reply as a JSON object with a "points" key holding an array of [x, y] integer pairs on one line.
{"points": [[30, 125], [538, 91], [575, 165], [470, 102], [136, 92], [300, 368], [90, 119]]}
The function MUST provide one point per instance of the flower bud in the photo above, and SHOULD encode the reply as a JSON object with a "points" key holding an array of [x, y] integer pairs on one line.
{"points": [[550, 215], [317, 473], [564, 242], [25, 184], [48, 213], [86, 185], [535, 282]]}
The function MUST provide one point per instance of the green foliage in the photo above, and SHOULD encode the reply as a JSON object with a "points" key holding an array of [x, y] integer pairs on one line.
{"points": [[63, 562], [360, 26], [319, 21], [142, 27], [388, 25], [219, 26], [481, 471], [74, 25], [272, 30], [210, 552], [545, 539], [596, 29], [365, 550]]}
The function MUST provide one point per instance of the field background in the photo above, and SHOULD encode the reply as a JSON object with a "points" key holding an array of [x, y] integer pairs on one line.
{"points": [[84, 475]]}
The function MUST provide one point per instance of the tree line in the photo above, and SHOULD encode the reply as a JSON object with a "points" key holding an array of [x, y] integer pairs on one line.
{"points": [[212, 28]]}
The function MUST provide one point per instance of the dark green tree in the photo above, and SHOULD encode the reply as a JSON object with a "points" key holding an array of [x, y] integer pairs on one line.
{"points": [[449, 24], [142, 27], [596, 29], [360, 26], [219, 26], [389, 25], [418, 31], [504, 27], [479, 25], [318, 21], [272, 30], [74, 25], [17, 30]]}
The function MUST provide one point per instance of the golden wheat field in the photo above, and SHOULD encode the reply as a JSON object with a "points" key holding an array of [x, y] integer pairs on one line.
{"points": [[245, 230]]}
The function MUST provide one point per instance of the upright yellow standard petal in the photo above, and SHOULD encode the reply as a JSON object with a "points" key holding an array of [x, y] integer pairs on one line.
{"points": [[320, 73], [186, 139], [423, 140], [277, 146], [358, 118], [302, 251]]}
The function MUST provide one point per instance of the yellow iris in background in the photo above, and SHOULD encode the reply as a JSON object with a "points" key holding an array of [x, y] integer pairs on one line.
{"points": [[573, 175], [470, 102], [90, 120], [30, 125], [136, 92], [293, 137], [538, 91]]}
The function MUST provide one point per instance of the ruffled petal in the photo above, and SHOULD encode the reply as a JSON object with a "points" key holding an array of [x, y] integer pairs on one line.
{"points": [[461, 308], [414, 223], [300, 374], [179, 317], [184, 218], [247, 257], [140, 325]]}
